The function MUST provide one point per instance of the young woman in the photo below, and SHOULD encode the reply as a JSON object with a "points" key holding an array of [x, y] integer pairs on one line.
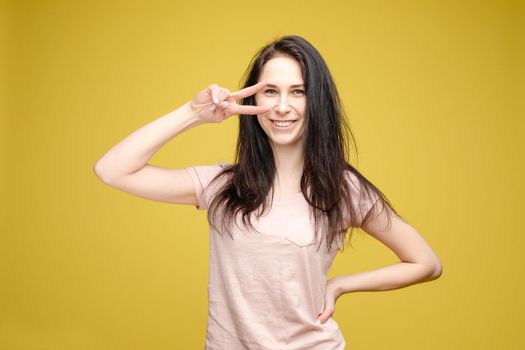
{"points": [[279, 213]]}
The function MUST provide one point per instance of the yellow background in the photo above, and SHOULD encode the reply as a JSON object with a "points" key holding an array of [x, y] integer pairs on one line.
{"points": [[432, 90]]}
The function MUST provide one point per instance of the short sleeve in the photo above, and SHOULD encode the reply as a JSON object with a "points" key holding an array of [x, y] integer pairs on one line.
{"points": [[362, 200], [202, 175]]}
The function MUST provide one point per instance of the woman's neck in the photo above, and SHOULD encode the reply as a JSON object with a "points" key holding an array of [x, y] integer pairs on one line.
{"points": [[289, 162]]}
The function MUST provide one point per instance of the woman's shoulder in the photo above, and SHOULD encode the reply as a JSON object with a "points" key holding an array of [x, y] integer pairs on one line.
{"points": [[205, 173], [224, 165], [352, 178], [212, 167]]}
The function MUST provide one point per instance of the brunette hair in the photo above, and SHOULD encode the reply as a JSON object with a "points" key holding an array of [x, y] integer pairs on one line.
{"points": [[335, 190]]}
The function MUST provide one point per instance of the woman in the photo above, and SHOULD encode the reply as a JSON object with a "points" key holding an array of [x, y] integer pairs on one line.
{"points": [[281, 211]]}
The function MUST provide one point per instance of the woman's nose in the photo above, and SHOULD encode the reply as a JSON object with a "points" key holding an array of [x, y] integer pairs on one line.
{"points": [[284, 107]]}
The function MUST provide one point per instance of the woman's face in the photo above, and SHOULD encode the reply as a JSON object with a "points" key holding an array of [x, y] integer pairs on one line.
{"points": [[285, 93]]}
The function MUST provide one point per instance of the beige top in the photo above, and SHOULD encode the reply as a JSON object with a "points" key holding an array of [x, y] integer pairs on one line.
{"points": [[265, 291]]}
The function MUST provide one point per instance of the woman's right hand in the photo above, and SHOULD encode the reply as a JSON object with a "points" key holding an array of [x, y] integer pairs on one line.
{"points": [[214, 104]]}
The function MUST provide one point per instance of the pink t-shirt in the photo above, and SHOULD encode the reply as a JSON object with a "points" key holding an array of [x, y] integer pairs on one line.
{"points": [[265, 291]]}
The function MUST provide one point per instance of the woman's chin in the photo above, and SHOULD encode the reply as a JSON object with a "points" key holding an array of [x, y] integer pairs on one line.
{"points": [[283, 140]]}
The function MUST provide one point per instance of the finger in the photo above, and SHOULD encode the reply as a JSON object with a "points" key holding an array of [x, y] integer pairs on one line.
{"points": [[250, 90], [214, 94], [319, 319], [222, 94], [249, 110], [322, 318], [327, 312]]}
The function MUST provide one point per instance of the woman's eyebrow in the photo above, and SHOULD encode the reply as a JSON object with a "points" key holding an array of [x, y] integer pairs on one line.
{"points": [[295, 85]]}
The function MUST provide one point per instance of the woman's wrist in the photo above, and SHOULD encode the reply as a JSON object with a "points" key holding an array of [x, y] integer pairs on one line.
{"points": [[192, 113]]}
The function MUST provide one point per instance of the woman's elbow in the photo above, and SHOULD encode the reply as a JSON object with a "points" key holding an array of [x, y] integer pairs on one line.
{"points": [[429, 270], [435, 270]]}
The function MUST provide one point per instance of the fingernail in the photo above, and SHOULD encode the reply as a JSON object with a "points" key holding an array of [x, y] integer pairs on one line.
{"points": [[318, 321]]}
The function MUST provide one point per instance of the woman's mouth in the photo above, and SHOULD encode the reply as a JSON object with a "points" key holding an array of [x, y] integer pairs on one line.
{"points": [[282, 124]]}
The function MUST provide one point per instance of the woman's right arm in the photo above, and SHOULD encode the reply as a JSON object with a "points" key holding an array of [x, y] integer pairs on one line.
{"points": [[125, 166]]}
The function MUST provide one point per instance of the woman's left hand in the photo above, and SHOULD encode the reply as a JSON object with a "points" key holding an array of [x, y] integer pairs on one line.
{"points": [[330, 297]]}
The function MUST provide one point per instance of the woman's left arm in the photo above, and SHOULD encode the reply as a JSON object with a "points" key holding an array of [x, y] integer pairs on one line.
{"points": [[418, 262]]}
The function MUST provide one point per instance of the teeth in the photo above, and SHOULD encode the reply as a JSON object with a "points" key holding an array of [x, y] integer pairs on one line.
{"points": [[282, 123]]}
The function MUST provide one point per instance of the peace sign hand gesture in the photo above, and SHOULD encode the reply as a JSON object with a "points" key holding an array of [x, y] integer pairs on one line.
{"points": [[214, 104]]}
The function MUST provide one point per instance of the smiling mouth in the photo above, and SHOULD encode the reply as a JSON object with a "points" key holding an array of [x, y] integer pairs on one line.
{"points": [[283, 123]]}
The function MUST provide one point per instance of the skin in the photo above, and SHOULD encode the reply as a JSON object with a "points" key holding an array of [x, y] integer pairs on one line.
{"points": [[279, 101], [287, 102], [215, 104], [417, 261]]}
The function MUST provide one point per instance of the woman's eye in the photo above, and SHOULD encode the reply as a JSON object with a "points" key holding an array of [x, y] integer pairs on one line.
{"points": [[296, 91]]}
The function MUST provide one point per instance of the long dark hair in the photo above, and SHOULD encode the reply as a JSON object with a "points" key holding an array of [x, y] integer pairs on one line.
{"points": [[325, 180]]}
